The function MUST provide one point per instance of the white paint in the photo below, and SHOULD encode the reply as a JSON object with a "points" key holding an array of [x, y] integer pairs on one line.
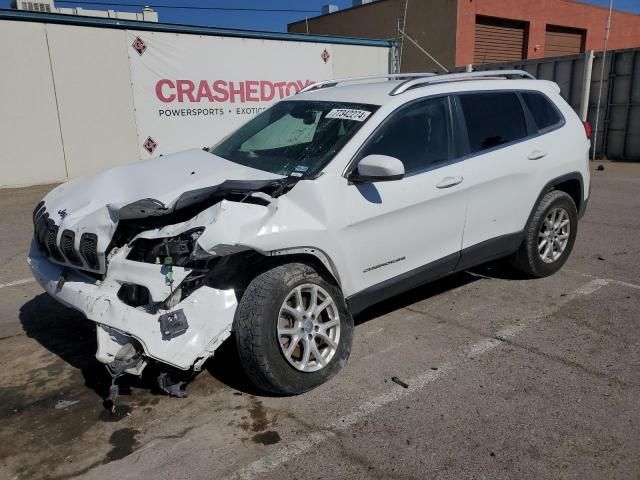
{"points": [[626, 284], [15, 283], [291, 450], [610, 280], [591, 287]]}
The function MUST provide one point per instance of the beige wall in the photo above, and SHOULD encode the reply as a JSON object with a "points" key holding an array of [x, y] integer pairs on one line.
{"points": [[66, 102], [95, 101], [30, 145], [432, 23]]}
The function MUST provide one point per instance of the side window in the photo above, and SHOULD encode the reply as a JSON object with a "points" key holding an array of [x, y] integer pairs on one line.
{"points": [[492, 119], [542, 111], [419, 135]]}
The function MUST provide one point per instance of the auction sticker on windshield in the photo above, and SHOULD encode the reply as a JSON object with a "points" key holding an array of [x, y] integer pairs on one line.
{"points": [[348, 114]]}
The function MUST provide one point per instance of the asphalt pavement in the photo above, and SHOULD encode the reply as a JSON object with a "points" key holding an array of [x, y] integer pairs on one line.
{"points": [[506, 378]]}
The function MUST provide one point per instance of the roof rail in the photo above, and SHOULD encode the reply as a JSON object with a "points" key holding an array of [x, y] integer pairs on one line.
{"points": [[390, 76], [455, 77]]}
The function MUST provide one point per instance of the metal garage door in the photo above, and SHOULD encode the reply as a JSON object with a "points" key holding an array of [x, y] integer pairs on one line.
{"points": [[499, 40], [563, 41]]}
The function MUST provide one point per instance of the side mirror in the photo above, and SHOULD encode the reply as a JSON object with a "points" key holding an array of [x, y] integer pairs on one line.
{"points": [[377, 168]]}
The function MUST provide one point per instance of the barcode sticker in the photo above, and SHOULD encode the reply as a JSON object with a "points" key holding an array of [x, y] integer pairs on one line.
{"points": [[349, 114]]}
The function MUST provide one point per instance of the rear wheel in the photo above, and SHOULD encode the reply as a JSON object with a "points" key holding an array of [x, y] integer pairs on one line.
{"points": [[293, 329], [549, 236]]}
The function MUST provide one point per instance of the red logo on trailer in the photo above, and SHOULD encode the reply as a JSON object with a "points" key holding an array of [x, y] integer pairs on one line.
{"points": [[150, 145], [325, 56], [139, 46]]}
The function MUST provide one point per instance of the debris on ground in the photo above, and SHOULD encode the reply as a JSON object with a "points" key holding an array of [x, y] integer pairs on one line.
{"points": [[600, 168], [172, 387], [399, 382]]}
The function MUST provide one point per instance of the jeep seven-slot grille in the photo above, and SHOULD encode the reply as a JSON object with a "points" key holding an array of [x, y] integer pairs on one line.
{"points": [[67, 243], [89, 250], [46, 235], [51, 242]]}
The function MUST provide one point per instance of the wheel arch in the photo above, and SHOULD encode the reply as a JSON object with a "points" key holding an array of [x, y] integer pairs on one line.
{"points": [[312, 256], [570, 183]]}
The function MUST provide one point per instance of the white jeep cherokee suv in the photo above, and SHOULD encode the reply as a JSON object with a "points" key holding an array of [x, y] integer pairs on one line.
{"points": [[330, 201]]}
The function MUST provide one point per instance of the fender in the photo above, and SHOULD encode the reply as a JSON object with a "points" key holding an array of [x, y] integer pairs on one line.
{"points": [[313, 251], [582, 206]]}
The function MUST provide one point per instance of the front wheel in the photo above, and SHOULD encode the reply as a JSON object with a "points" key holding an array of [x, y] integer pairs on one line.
{"points": [[549, 236], [293, 329]]}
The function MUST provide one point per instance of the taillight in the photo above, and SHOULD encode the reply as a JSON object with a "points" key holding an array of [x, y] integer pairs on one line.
{"points": [[587, 129]]}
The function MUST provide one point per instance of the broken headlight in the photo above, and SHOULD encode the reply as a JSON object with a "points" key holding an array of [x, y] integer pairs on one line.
{"points": [[180, 249]]}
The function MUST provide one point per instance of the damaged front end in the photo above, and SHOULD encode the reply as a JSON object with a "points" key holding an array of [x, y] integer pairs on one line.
{"points": [[164, 285]]}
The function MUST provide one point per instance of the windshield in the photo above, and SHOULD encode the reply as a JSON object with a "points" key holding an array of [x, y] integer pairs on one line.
{"points": [[294, 137]]}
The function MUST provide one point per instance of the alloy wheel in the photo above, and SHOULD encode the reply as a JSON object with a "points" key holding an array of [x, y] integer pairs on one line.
{"points": [[308, 327], [554, 235]]}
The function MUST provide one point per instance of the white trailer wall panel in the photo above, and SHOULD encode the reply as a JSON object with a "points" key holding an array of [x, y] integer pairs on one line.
{"points": [[30, 143], [82, 95], [93, 86], [359, 60], [192, 90]]}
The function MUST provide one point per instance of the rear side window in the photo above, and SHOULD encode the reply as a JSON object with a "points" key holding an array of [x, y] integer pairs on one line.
{"points": [[543, 112], [493, 119]]}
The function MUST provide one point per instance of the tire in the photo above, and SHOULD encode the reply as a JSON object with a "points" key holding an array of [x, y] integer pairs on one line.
{"points": [[261, 317], [529, 258]]}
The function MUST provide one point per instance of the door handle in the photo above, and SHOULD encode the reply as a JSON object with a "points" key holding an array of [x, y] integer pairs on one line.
{"points": [[537, 155], [448, 182]]}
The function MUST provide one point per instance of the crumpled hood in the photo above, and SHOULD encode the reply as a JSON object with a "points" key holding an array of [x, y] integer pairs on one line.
{"points": [[164, 179], [95, 206]]}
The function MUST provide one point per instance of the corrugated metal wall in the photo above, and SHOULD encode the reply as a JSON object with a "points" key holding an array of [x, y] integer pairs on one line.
{"points": [[619, 119]]}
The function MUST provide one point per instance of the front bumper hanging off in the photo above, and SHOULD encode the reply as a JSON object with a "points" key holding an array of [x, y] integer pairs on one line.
{"points": [[203, 319]]}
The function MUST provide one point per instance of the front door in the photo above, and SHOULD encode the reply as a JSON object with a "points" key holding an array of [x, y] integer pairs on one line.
{"points": [[403, 232]]}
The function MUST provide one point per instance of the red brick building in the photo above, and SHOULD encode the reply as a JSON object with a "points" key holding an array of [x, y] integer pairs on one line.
{"points": [[460, 32]]}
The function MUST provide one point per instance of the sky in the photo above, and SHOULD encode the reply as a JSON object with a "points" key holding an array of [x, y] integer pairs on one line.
{"points": [[268, 21]]}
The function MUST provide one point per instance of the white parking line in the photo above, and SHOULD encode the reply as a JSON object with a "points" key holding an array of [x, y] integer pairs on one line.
{"points": [[609, 280], [287, 452], [24, 281]]}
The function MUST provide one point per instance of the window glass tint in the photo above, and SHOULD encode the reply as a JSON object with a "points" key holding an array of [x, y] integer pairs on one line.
{"points": [[493, 119], [543, 112], [419, 135]]}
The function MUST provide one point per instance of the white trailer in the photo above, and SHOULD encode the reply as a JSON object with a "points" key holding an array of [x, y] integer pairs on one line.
{"points": [[80, 94]]}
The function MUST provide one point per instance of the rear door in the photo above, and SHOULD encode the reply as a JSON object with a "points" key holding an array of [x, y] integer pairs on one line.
{"points": [[498, 171]]}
